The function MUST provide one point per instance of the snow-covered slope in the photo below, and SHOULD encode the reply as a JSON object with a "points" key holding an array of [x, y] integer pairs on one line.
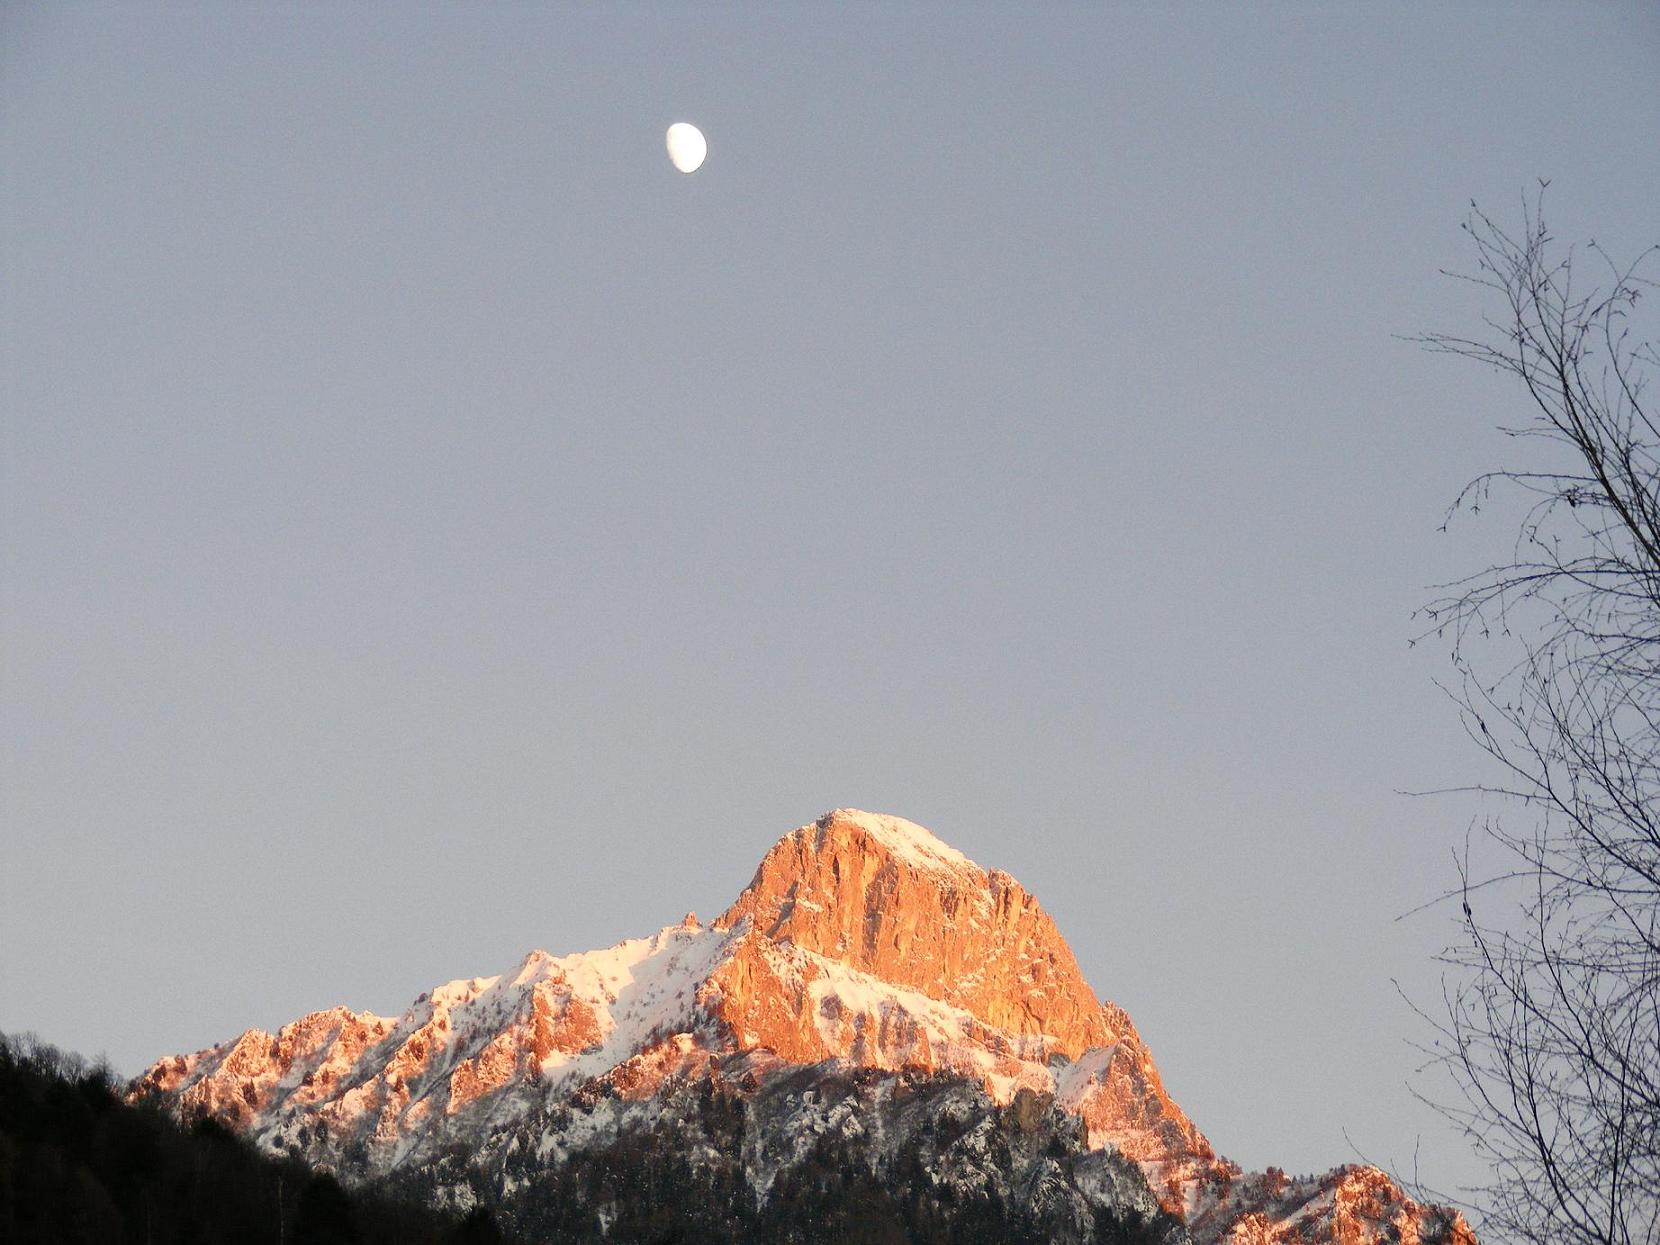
{"points": [[863, 942]]}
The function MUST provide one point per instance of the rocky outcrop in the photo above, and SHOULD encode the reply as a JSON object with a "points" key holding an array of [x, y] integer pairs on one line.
{"points": [[887, 898], [1348, 1206], [863, 942]]}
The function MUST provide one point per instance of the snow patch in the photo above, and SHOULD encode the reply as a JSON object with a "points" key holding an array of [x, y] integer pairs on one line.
{"points": [[906, 839]]}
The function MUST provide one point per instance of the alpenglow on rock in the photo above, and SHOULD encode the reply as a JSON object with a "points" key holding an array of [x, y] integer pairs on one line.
{"points": [[867, 965]]}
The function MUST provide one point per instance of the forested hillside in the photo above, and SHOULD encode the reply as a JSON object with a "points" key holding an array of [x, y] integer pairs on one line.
{"points": [[78, 1164]]}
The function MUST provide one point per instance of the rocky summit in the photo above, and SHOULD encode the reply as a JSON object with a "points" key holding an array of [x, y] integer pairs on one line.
{"points": [[878, 1036]]}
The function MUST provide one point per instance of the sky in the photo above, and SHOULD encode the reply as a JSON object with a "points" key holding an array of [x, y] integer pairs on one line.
{"points": [[431, 527]]}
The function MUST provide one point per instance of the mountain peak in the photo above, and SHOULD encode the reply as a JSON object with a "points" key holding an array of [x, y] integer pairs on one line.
{"points": [[883, 896], [915, 844]]}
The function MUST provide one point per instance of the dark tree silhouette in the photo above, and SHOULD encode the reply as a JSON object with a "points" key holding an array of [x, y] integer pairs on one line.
{"points": [[478, 1228], [79, 1164], [325, 1215], [1551, 1026]]}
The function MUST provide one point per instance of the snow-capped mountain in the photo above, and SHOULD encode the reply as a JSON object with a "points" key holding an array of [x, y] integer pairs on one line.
{"points": [[867, 964]]}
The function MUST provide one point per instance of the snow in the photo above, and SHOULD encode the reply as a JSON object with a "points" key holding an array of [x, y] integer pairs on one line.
{"points": [[636, 990], [906, 839], [647, 987], [865, 1006], [1073, 1082]]}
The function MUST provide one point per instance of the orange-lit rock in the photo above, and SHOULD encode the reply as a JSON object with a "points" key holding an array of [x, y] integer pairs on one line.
{"points": [[1348, 1206], [874, 894]]}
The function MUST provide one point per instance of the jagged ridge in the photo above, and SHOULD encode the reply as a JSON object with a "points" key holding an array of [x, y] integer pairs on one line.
{"points": [[863, 941]]}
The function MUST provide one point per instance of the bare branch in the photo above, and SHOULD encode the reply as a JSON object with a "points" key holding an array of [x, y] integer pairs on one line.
{"points": [[1549, 1026]]}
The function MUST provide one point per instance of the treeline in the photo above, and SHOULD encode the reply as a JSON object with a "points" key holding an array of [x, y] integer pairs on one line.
{"points": [[643, 1191], [682, 1179], [78, 1164]]}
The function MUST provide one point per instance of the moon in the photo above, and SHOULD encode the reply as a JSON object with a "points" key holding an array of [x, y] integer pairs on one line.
{"points": [[687, 146]]}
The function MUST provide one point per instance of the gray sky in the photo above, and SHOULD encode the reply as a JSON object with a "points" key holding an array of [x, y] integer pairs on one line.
{"points": [[434, 528]]}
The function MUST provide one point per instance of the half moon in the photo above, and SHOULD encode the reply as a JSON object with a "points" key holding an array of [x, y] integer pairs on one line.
{"points": [[687, 146]]}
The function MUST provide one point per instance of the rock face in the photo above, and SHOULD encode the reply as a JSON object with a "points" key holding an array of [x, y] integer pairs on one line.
{"points": [[863, 942], [887, 898]]}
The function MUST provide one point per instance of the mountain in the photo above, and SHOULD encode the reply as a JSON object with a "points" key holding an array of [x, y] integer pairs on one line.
{"points": [[873, 1003]]}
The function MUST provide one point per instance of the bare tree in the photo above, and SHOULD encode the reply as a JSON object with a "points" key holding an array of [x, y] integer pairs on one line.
{"points": [[1551, 1026]]}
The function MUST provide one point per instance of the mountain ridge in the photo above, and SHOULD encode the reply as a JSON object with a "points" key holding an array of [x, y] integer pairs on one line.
{"points": [[862, 942]]}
